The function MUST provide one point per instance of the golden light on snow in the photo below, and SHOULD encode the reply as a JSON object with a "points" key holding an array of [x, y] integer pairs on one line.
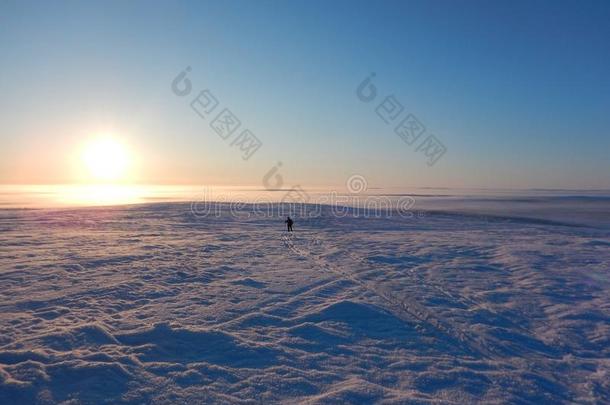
{"points": [[99, 194]]}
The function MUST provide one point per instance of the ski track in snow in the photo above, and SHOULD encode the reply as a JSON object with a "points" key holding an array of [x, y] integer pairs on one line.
{"points": [[150, 304]]}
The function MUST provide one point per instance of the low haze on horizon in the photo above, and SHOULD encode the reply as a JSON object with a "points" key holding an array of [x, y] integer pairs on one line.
{"points": [[517, 92]]}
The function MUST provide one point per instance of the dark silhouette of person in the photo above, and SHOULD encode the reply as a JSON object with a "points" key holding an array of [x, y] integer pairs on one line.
{"points": [[289, 223]]}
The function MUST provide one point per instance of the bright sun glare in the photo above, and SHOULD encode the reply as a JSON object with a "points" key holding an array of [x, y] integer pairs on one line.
{"points": [[106, 159]]}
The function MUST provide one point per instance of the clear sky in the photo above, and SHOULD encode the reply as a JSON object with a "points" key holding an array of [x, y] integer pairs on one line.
{"points": [[517, 92]]}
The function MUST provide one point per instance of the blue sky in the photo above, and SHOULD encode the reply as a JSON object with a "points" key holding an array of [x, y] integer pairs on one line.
{"points": [[518, 92]]}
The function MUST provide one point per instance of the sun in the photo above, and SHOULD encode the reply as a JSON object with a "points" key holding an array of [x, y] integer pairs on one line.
{"points": [[106, 159]]}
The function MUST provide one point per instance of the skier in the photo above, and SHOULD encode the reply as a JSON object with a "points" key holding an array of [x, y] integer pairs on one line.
{"points": [[289, 223]]}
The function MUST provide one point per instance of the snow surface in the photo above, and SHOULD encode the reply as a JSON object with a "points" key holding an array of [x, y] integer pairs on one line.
{"points": [[151, 304]]}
